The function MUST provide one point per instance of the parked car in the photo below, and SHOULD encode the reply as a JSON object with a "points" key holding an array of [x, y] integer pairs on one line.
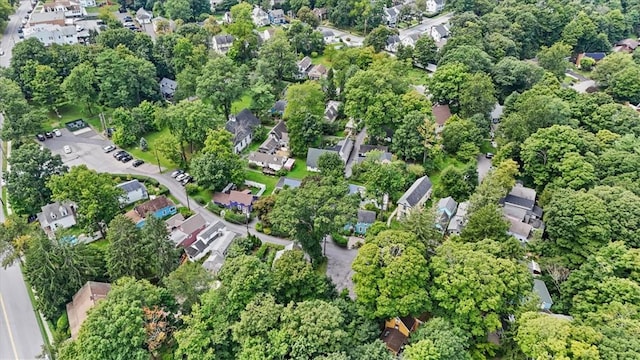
{"points": [[489, 155], [127, 18], [126, 158], [48, 134], [57, 132], [67, 149], [176, 173], [121, 155], [137, 163], [186, 180], [20, 31], [118, 153], [41, 137], [109, 148], [182, 176]]}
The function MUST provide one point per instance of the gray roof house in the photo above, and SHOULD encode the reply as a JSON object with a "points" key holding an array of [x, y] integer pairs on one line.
{"points": [[519, 207], [446, 211], [304, 66], [540, 289], [279, 107], [393, 42], [313, 154], [168, 88], [458, 221], [390, 15], [242, 126], [439, 32], [414, 197], [133, 191], [143, 16], [222, 43], [277, 139], [331, 110], [57, 215]]}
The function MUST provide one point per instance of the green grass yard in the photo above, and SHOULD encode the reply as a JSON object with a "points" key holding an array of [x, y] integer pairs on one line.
{"points": [[299, 170], [257, 176], [242, 103], [69, 112], [149, 156]]}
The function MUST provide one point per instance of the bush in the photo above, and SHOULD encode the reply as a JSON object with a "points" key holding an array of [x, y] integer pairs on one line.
{"points": [[587, 63], [162, 190], [214, 208], [235, 218], [185, 212], [267, 231], [192, 189], [200, 200], [262, 251], [62, 325], [282, 172], [340, 240], [253, 166], [314, 54], [259, 227]]}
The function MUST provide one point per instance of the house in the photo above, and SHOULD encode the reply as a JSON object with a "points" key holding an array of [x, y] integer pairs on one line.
{"points": [[439, 32], [441, 114], [304, 66], [393, 41], [87, 3], [320, 13], [365, 149], [68, 8], [318, 72], [344, 149], [374, 153], [626, 45], [397, 331], [52, 34], [519, 208], [331, 111], [390, 15], [287, 183], [435, 6], [446, 210], [168, 88], [242, 126], [534, 268], [411, 39], [276, 16], [184, 234], [237, 200], [540, 289], [226, 18], [350, 127], [279, 107], [213, 238], [222, 43], [215, 3], [459, 220], [162, 25], [414, 197], [270, 161], [159, 207], [143, 16], [259, 17], [357, 189], [313, 155], [267, 34], [51, 18], [133, 191], [57, 215], [85, 299], [277, 139], [293, 246], [596, 56], [329, 36], [366, 218]]}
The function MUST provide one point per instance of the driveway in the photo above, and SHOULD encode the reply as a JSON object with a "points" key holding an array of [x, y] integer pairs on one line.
{"points": [[426, 25], [484, 165], [354, 154], [354, 40]]}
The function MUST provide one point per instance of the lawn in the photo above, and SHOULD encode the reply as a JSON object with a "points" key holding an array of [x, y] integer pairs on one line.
{"points": [[269, 181], [448, 160], [486, 147], [70, 112], [299, 170], [417, 76], [101, 244], [243, 103], [149, 156]]}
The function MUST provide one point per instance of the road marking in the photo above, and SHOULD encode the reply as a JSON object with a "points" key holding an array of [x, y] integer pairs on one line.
{"points": [[6, 319]]}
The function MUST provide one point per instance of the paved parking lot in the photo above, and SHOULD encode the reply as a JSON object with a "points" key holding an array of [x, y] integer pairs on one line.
{"points": [[86, 148]]}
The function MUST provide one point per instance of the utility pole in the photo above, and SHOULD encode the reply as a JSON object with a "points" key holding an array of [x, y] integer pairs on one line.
{"points": [[186, 193], [158, 159]]}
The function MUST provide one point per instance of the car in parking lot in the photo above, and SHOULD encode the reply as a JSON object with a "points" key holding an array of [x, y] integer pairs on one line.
{"points": [[137, 163], [41, 137], [67, 149], [120, 154], [126, 158], [176, 173], [109, 148], [182, 176], [186, 180], [57, 132], [48, 134]]}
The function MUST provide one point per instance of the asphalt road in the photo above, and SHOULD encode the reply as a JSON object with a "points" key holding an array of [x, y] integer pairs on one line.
{"points": [[10, 35], [87, 149], [426, 25]]}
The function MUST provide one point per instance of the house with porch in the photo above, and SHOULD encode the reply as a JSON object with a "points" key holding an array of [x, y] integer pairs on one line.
{"points": [[184, 233], [273, 162], [276, 17], [241, 126], [277, 140], [143, 16]]}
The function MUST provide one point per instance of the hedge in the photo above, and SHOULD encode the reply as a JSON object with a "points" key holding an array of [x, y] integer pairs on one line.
{"points": [[340, 240], [232, 217]]}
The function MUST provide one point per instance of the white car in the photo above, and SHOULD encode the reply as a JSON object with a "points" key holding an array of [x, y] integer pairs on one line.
{"points": [[67, 149], [57, 132], [181, 176]]}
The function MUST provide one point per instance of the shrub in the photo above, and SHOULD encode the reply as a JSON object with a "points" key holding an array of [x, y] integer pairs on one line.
{"points": [[162, 190], [340, 240], [267, 231], [259, 227], [253, 166], [192, 189], [314, 54], [587, 63], [214, 208], [282, 172], [185, 212], [262, 250], [235, 218], [62, 325], [200, 200]]}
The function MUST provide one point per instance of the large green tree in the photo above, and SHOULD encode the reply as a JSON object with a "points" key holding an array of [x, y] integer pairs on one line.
{"points": [[276, 60], [553, 58], [215, 171], [477, 96], [221, 83], [81, 86], [304, 114], [187, 283], [189, 121], [294, 279], [444, 341], [447, 82]]}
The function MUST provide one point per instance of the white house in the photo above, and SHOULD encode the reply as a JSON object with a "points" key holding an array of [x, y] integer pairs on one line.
{"points": [[87, 3], [390, 15], [242, 126], [260, 17], [57, 215], [304, 66], [222, 43], [143, 16], [329, 36], [133, 191], [393, 42], [439, 32], [263, 160], [411, 39], [435, 6], [415, 197], [52, 34]]}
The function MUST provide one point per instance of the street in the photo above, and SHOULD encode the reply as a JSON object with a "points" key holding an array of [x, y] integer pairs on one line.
{"points": [[426, 25], [10, 35]]}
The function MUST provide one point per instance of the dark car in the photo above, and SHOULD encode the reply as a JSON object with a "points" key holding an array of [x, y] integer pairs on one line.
{"points": [[122, 10], [118, 153], [137, 163], [20, 30], [49, 135], [41, 137], [121, 155], [126, 158], [488, 155], [127, 18]]}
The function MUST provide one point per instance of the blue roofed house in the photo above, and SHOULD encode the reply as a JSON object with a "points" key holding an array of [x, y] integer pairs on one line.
{"points": [[540, 289], [414, 197], [242, 126], [133, 191], [365, 219], [159, 207], [446, 210]]}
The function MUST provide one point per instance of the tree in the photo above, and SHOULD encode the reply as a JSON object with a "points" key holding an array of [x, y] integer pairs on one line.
{"points": [[189, 121], [125, 254], [623, 87], [611, 65], [381, 179], [244, 277], [260, 318], [542, 336], [446, 341], [215, 171], [331, 164], [578, 224], [624, 209], [457, 183], [307, 16], [458, 132], [473, 289], [242, 29], [80, 85], [295, 280], [187, 283], [390, 272], [95, 195], [31, 169], [477, 96], [474, 58], [56, 269], [178, 9], [14, 239], [131, 124], [420, 223], [46, 87], [304, 113], [581, 33], [447, 82], [377, 38], [620, 329], [425, 51], [130, 323], [262, 98], [495, 184], [408, 143], [320, 206], [221, 83], [169, 147], [304, 39], [485, 223], [276, 60], [553, 59], [163, 257], [576, 172], [511, 74]]}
